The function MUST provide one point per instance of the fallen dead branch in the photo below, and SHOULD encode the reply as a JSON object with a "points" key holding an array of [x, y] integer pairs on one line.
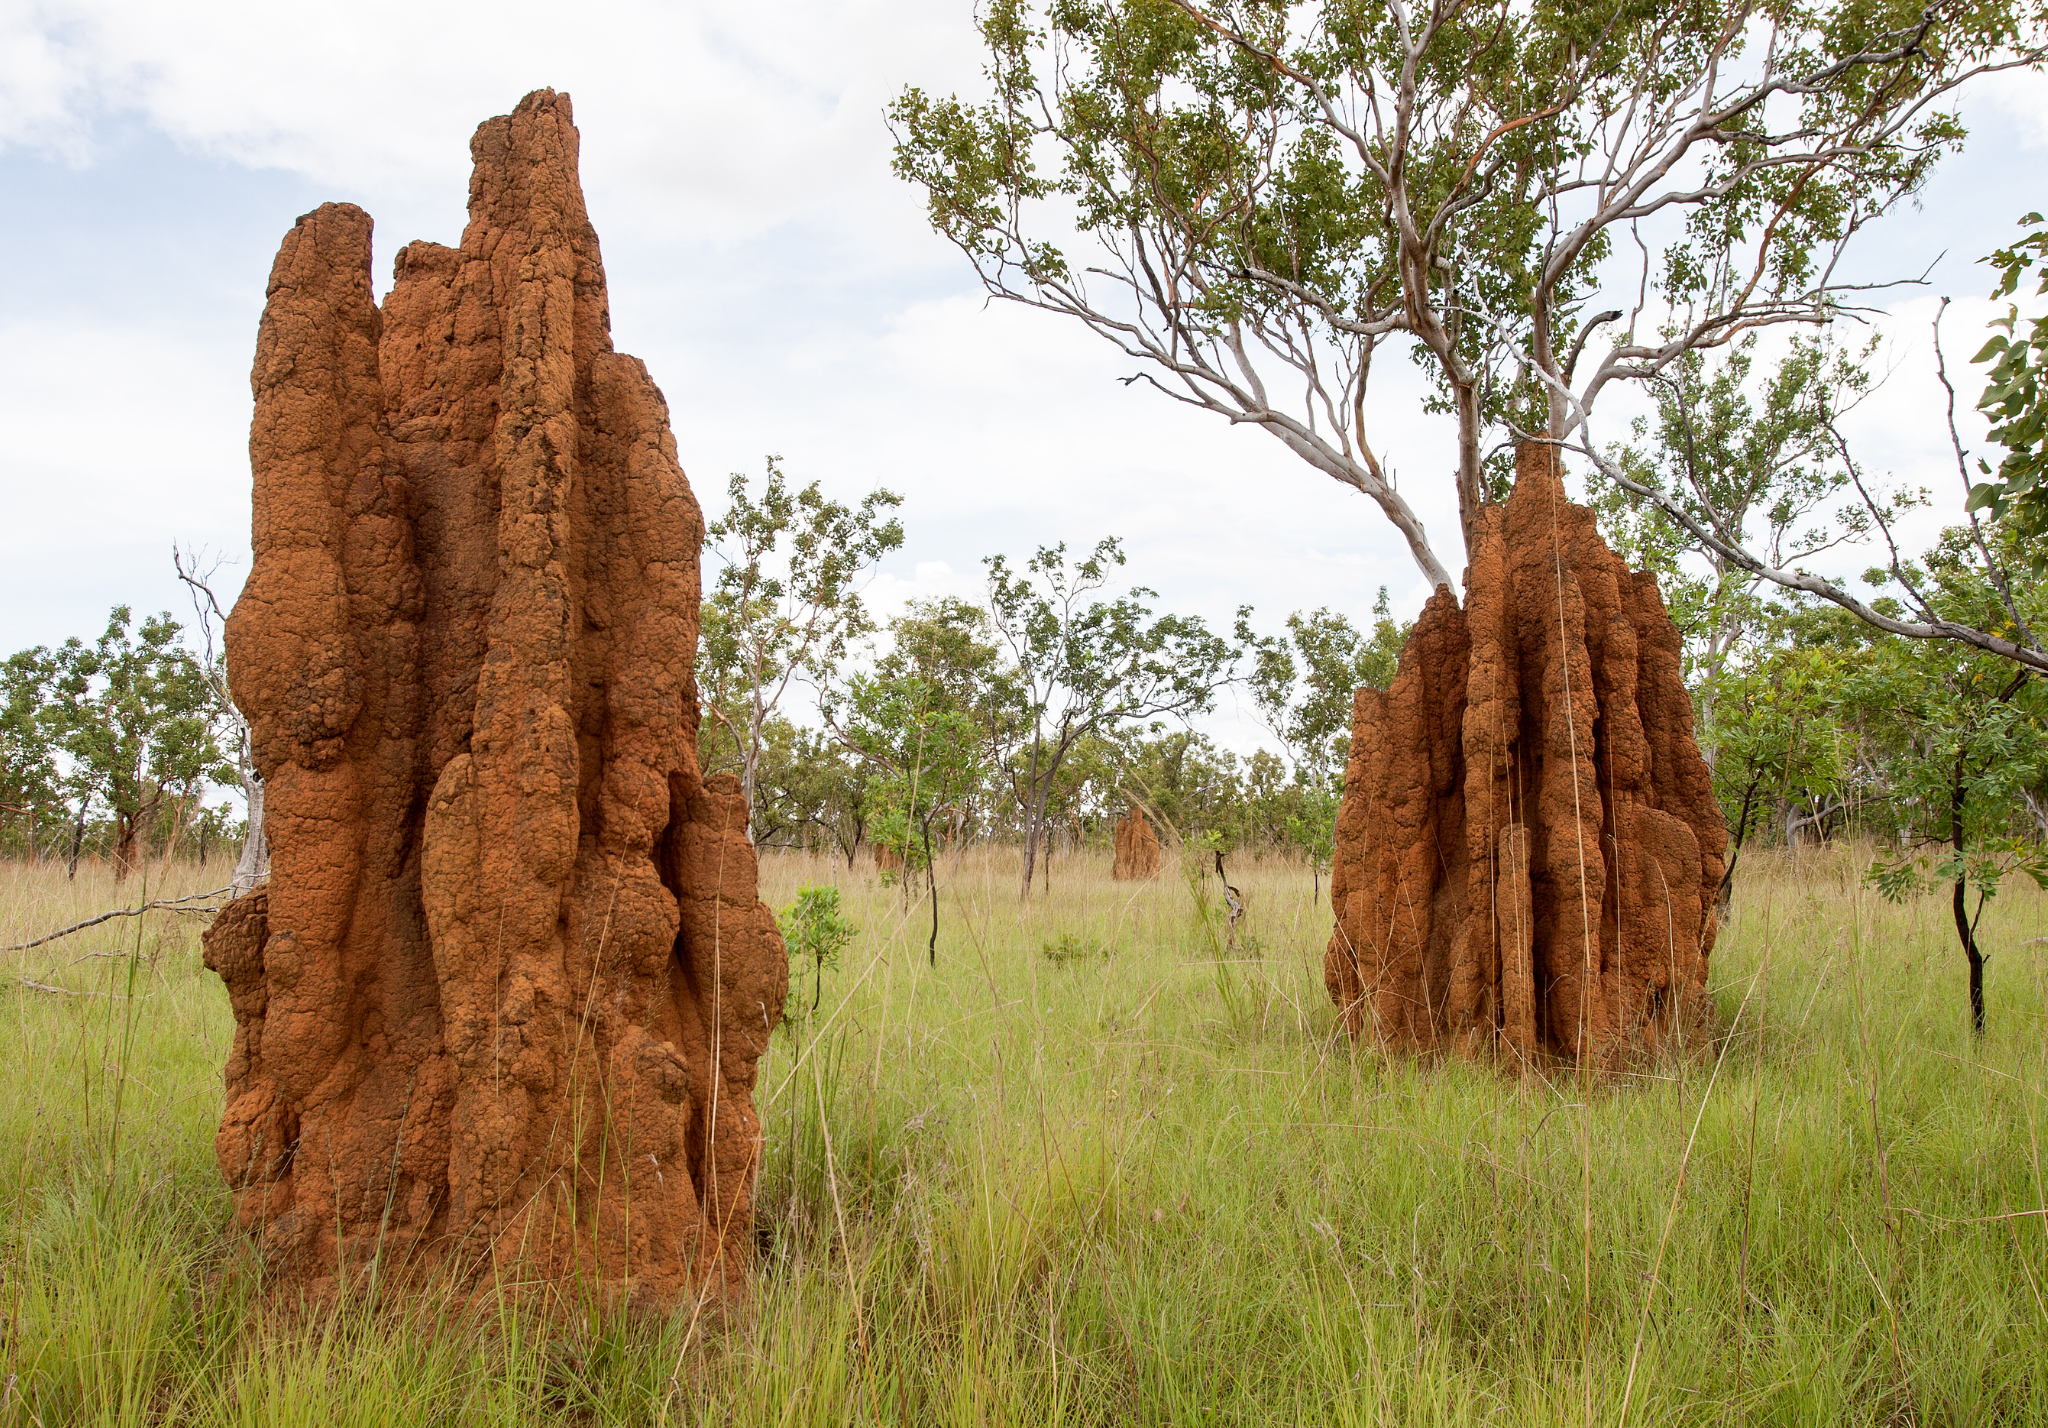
{"points": [[36, 986], [172, 902]]}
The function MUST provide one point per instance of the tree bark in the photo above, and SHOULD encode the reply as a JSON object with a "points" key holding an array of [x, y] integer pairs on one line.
{"points": [[1033, 815], [130, 826], [78, 836], [1727, 892], [1966, 934], [254, 864], [1969, 941], [1030, 848], [931, 882], [750, 756], [1471, 486]]}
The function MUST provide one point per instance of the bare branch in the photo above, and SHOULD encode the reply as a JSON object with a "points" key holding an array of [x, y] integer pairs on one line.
{"points": [[117, 912], [1992, 567]]}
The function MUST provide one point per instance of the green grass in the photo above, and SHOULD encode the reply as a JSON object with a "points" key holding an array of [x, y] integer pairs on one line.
{"points": [[1148, 1184]]}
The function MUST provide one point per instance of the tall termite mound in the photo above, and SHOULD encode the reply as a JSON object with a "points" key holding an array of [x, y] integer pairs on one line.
{"points": [[1529, 848], [503, 997], [1137, 847]]}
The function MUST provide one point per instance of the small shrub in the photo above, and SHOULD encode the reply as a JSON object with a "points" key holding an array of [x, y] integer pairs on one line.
{"points": [[1070, 947], [813, 931]]}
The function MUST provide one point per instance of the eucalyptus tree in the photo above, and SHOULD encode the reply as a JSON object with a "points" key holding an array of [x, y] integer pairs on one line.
{"points": [[925, 752], [1781, 741], [1969, 741], [31, 782], [1085, 665], [813, 792], [133, 714], [1715, 525], [1540, 202], [796, 792], [787, 604], [1186, 780], [929, 722], [1755, 454], [945, 647], [1302, 685], [1302, 682]]}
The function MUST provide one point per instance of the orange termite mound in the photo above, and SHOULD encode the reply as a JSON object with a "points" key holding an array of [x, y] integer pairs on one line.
{"points": [[1137, 848], [502, 1000], [1528, 849]]}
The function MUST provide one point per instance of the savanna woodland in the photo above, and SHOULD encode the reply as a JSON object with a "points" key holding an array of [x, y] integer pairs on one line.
{"points": [[1054, 1118]]}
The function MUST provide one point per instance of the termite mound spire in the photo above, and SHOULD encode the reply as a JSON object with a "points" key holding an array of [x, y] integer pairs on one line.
{"points": [[1529, 849], [504, 994], [1137, 847]]}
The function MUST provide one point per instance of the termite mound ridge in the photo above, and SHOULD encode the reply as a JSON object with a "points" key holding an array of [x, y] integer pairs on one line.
{"points": [[502, 1000], [1528, 849], [1137, 847]]}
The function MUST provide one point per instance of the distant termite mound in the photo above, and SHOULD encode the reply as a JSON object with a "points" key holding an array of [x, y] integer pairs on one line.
{"points": [[1529, 848], [502, 999], [1137, 847]]}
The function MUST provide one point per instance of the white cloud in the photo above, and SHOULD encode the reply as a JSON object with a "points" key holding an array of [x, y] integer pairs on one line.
{"points": [[889, 594], [118, 442], [39, 84], [2021, 95], [719, 121]]}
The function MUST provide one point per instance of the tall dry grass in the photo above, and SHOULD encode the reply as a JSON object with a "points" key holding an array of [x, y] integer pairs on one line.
{"points": [[1102, 1164]]}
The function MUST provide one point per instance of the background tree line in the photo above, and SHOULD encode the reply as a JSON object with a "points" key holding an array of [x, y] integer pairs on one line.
{"points": [[1037, 715], [1034, 716]]}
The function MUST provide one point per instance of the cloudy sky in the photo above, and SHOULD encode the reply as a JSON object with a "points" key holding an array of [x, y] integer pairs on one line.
{"points": [[780, 283]]}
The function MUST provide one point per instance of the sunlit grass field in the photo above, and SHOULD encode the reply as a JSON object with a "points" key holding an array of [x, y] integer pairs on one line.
{"points": [[1100, 1166]]}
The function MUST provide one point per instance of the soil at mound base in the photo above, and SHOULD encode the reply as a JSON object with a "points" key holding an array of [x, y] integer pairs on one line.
{"points": [[504, 995], [1528, 849], [1137, 847]]}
